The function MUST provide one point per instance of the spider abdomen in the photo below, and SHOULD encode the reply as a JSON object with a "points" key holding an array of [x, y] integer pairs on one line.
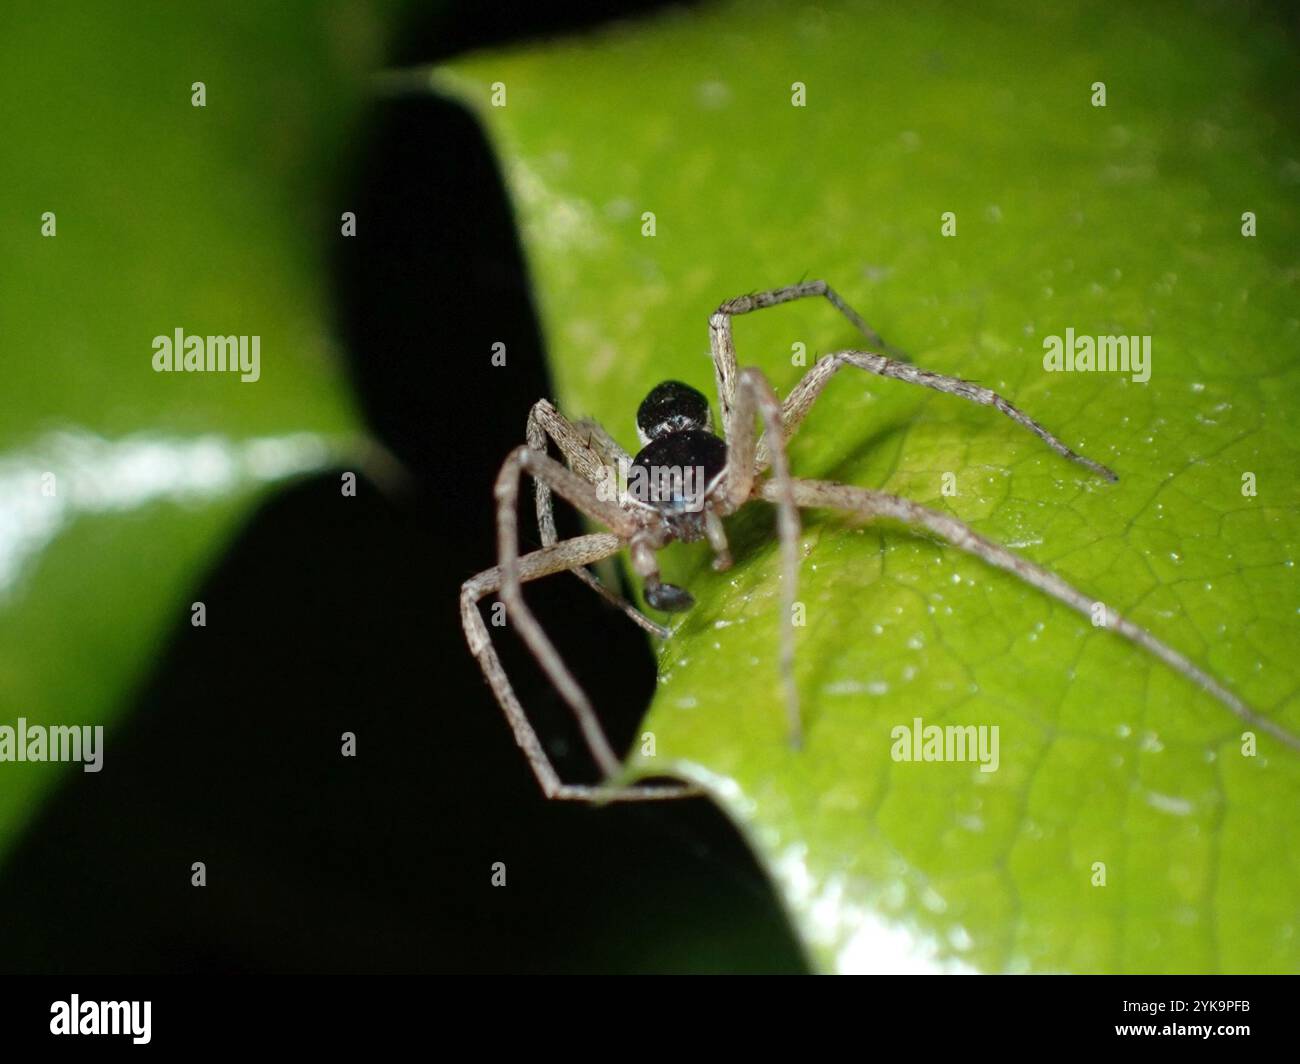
{"points": [[672, 407]]}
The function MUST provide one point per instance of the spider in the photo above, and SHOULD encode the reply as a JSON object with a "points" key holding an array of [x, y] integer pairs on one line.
{"points": [[675, 428]]}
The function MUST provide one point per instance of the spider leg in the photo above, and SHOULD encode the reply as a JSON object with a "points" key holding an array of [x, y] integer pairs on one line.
{"points": [[588, 453], [590, 456], [724, 349], [878, 504], [558, 557], [806, 391], [754, 395], [593, 432], [583, 496]]}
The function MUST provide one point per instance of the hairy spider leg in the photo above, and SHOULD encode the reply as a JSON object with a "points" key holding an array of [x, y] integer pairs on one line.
{"points": [[591, 455], [557, 558], [871, 504], [582, 495], [754, 396], [723, 349], [804, 393]]}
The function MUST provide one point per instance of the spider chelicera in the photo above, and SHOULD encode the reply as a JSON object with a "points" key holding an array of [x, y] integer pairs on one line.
{"points": [[665, 503]]}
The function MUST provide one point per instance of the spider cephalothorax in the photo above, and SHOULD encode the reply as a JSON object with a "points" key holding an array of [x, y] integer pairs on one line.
{"points": [[677, 472], [681, 485]]}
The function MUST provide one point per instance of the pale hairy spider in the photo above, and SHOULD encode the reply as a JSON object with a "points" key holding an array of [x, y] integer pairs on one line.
{"points": [[675, 427]]}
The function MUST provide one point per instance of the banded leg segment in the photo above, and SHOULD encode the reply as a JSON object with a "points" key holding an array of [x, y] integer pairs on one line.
{"points": [[590, 454], [754, 396], [878, 504], [582, 495], [723, 347], [805, 393], [559, 557]]}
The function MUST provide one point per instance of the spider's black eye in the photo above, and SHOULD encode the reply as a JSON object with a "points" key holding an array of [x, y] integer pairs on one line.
{"points": [[671, 407]]}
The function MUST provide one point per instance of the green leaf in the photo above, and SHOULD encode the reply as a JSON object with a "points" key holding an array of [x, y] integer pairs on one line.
{"points": [[1124, 219], [118, 484]]}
